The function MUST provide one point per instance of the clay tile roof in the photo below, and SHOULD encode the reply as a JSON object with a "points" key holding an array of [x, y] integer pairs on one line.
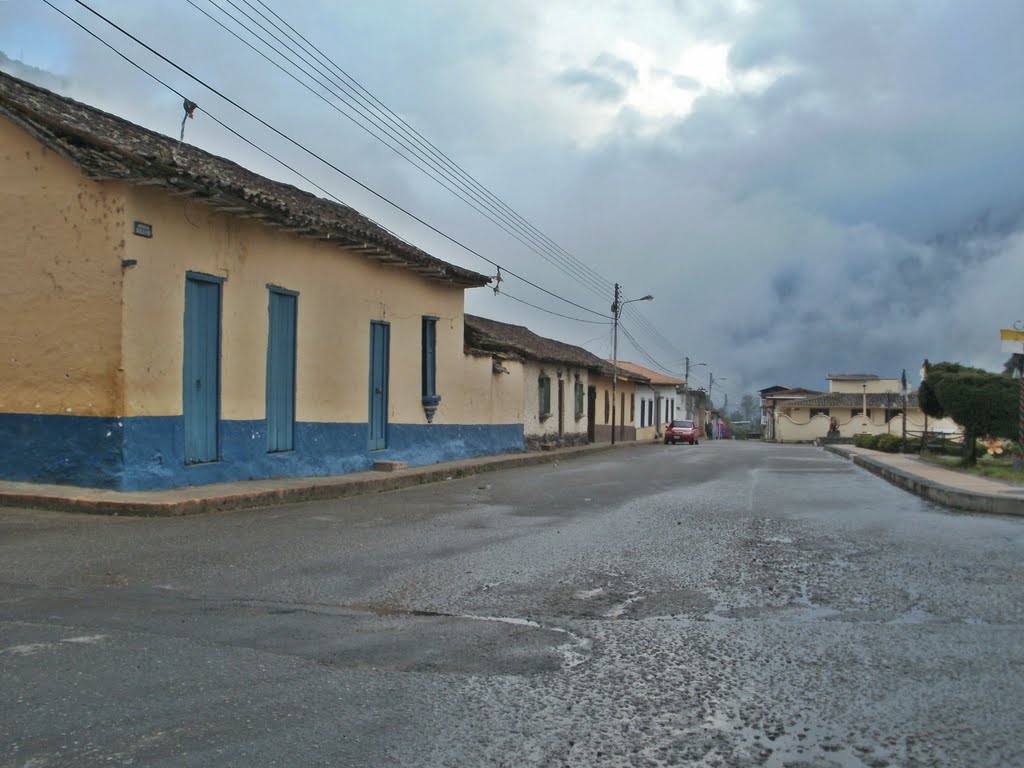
{"points": [[780, 392], [654, 377], [854, 400], [105, 147], [483, 334]]}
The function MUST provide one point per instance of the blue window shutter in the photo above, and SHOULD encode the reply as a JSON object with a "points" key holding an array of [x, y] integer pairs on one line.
{"points": [[380, 353], [281, 344], [429, 356], [201, 369]]}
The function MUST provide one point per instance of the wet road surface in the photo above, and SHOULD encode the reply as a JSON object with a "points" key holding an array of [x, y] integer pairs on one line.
{"points": [[727, 604]]}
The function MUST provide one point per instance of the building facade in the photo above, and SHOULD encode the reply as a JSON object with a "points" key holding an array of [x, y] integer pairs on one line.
{"points": [[660, 400], [554, 379], [855, 404], [175, 319]]}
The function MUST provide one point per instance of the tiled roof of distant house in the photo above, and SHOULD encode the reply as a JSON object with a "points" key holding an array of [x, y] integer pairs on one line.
{"points": [[483, 334], [781, 392], [654, 377], [107, 147], [854, 400]]}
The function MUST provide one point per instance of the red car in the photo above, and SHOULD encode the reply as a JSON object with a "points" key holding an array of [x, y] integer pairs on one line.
{"points": [[681, 430]]}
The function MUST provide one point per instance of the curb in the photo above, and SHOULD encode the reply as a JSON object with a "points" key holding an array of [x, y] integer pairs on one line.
{"points": [[292, 490], [947, 496]]}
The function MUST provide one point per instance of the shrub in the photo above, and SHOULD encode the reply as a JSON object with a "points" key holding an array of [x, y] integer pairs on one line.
{"points": [[864, 440], [887, 442]]}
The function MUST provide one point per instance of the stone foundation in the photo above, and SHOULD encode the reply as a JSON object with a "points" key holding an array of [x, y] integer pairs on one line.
{"points": [[554, 440]]}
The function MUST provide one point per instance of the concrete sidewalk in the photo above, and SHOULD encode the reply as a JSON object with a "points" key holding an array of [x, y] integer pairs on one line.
{"points": [[262, 493], [949, 487]]}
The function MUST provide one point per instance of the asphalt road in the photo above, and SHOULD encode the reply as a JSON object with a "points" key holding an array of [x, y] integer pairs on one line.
{"points": [[727, 604]]}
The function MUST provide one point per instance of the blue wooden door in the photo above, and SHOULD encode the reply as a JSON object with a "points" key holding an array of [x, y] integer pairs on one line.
{"points": [[380, 343], [201, 376], [281, 371]]}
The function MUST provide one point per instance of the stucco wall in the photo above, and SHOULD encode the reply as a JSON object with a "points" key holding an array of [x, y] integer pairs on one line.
{"points": [[623, 390], [96, 345], [339, 294], [671, 404], [662, 396], [494, 398], [61, 244], [574, 430], [796, 424], [874, 386]]}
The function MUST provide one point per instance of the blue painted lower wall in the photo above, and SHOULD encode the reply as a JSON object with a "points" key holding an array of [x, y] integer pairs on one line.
{"points": [[147, 453]]}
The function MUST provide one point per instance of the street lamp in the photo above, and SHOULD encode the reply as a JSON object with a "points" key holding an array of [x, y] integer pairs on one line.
{"points": [[617, 305]]}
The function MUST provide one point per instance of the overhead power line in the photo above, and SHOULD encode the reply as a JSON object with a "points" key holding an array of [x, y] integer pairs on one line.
{"points": [[287, 138], [437, 159], [366, 106], [602, 284], [357, 114], [508, 295], [646, 355]]}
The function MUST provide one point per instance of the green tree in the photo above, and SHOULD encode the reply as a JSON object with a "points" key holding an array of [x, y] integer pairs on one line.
{"points": [[751, 407], [983, 403], [739, 423], [926, 396], [1014, 365]]}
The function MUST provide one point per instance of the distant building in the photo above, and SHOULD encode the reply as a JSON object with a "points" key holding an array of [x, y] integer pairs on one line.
{"points": [[774, 396], [856, 403]]}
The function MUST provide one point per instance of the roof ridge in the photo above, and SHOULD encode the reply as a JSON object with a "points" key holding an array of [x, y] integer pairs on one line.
{"points": [[107, 146]]}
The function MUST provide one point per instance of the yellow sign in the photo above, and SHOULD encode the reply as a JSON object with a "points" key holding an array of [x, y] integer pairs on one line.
{"points": [[1013, 340]]}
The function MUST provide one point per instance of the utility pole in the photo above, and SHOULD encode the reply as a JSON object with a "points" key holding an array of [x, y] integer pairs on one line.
{"points": [[903, 393], [617, 305], [711, 383], [686, 387]]}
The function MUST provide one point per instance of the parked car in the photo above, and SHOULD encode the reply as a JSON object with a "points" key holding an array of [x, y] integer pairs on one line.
{"points": [[682, 430]]}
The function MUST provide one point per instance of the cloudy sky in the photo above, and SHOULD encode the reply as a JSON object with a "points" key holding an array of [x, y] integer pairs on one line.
{"points": [[805, 186]]}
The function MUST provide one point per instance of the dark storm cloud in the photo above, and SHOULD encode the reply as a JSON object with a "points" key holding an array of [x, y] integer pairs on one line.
{"points": [[890, 176]]}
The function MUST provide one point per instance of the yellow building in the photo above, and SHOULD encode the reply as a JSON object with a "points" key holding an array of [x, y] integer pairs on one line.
{"points": [[618, 407], [172, 319]]}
